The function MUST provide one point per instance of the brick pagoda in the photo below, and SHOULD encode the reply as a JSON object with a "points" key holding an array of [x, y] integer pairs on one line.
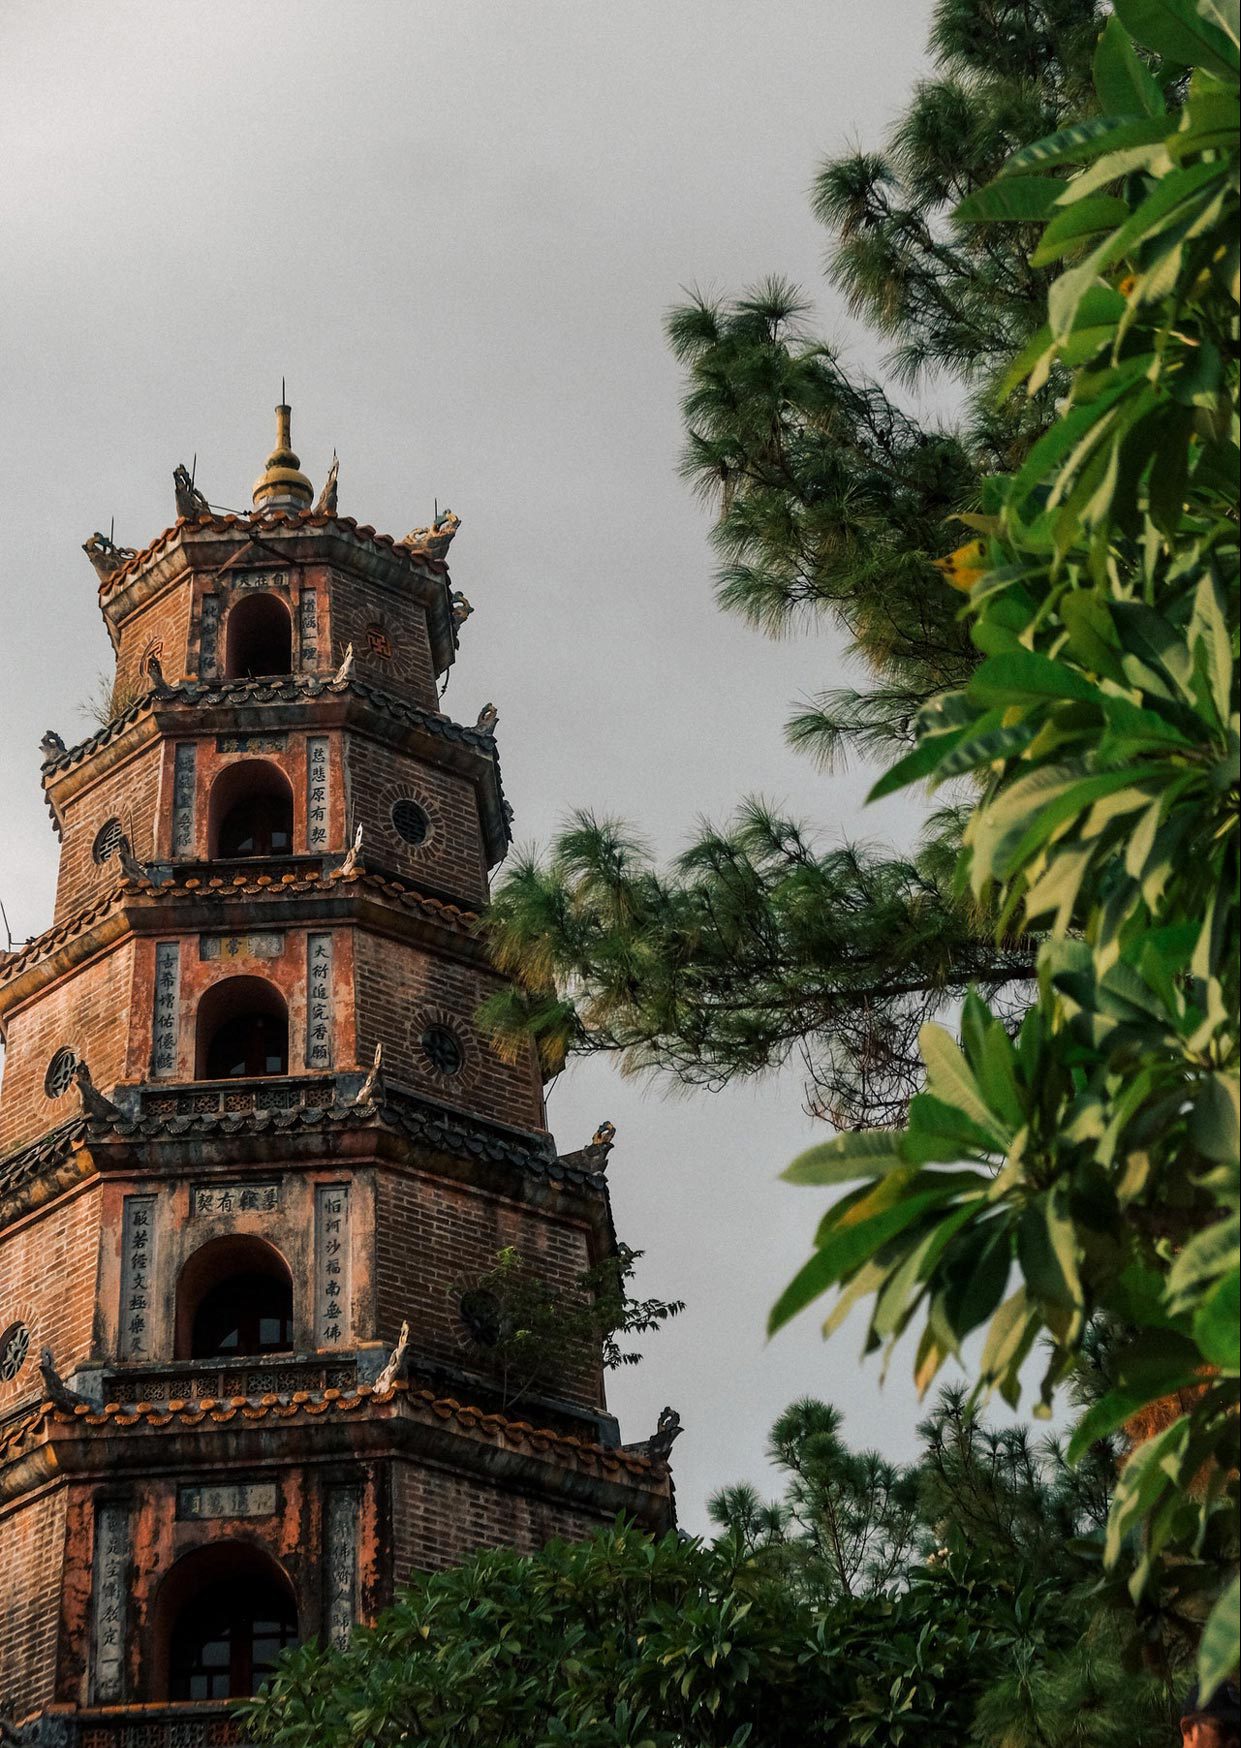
{"points": [[250, 1127]]}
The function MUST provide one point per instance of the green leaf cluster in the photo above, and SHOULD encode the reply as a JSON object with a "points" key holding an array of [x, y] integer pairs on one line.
{"points": [[900, 1608], [1088, 1165]]}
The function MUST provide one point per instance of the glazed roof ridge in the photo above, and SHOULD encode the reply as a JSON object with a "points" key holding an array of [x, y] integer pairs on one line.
{"points": [[294, 686], [109, 585], [423, 1403]]}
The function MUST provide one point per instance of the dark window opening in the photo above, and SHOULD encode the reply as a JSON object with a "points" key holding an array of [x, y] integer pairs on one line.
{"points": [[259, 638], [242, 1316], [262, 825], [251, 1044], [228, 1637]]}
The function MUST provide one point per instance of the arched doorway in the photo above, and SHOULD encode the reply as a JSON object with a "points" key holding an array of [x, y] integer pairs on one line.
{"points": [[243, 1031], [234, 1300], [251, 812], [225, 1613], [258, 638]]}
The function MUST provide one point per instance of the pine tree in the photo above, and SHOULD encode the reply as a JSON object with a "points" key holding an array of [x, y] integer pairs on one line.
{"points": [[758, 946]]}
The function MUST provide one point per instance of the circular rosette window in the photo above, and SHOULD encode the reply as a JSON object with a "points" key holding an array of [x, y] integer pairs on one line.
{"points": [[15, 1344], [443, 1051]]}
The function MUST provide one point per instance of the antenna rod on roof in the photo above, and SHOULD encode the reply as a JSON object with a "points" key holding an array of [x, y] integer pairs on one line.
{"points": [[282, 393], [4, 917]]}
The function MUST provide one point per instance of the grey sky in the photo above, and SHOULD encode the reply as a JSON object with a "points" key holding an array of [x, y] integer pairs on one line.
{"points": [[455, 229]]}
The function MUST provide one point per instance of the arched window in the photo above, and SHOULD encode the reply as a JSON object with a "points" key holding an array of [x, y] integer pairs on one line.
{"points": [[258, 638], [225, 1614], [251, 812], [243, 1030], [234, 1300]]}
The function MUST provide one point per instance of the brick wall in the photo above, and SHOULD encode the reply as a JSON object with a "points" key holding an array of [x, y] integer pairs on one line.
{"points": [[162, 625], [451, 859], [48, 1270], [401, 991], [439, 1519], [32, 1536], [129, 793], [373, 620], [88, 1012], [433, 1239]]}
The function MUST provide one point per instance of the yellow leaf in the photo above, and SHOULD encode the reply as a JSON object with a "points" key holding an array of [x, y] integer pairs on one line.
{"points": [[963, 567]]}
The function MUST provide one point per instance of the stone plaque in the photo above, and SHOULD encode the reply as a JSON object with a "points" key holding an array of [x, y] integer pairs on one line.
{"points": [[184, 768], [318, 1001], [341, 1564], [251, 743], [109, 1595], [227, 1499], [234, 1198], [138, 1275], [260, 580], [260, 944], [316, 795], [308, 625], [166, 1009], [208, 635], [332, 1273]]}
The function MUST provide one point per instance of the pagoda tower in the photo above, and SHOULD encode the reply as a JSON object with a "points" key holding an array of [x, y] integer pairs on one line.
{"points": [[256, 1154]]}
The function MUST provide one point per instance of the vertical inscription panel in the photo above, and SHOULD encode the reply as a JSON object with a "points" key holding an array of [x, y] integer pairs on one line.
{"points": [[318, 1001], [185, 763], [308, 627], [110, 1589], [166, 1009], [137, 1278], [333, 1296], [341, 1564], [316, 796], [208, 636]]}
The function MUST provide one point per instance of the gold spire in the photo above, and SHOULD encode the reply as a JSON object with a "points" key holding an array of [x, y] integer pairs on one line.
{"points": [[282, 485]]}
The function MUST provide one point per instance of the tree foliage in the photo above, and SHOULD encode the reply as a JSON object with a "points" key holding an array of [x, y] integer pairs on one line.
{"points": [[931, 1605], [528, 1332], [1090, 1164], [833, 502]]}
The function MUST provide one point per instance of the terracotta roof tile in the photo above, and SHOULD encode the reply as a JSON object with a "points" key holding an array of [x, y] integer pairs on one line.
{"points": [[403, 1401], [109, 585]]}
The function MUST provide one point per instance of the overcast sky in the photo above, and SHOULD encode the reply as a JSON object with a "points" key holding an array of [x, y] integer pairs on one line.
{"points": [[455, 229]]}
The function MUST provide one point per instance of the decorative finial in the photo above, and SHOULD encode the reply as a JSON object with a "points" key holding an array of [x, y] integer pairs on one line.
{"points": [[282, 485]]}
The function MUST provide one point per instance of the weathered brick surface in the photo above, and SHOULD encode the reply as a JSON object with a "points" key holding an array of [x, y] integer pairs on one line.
{"points": [[440, 1519], [87, 1011], [49, 1265], [451, 859], [129, 794], [373, 620], [401, 991], [32, 1536], [433, 1240], [160, 627]]}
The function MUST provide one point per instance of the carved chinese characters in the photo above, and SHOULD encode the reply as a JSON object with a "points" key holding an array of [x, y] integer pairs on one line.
{"points": [[110, 1591], [137, 1278], [208, 635], [235, 1198], [316, 795], [319, 1001], [341, 1564], [183, 778], [227, 1499], [166, 1008], [332, 1275], [308, 613]]}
